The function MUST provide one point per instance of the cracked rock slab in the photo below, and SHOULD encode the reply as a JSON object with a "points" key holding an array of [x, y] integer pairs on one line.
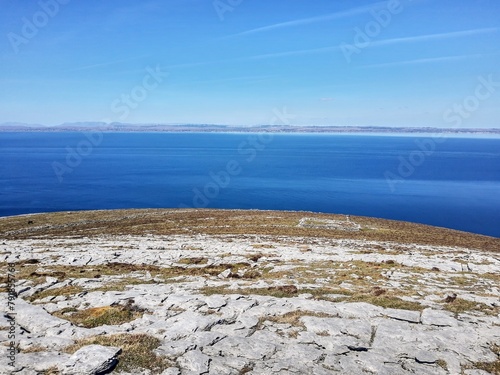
{"points": [[194, 361], [438, 318]]}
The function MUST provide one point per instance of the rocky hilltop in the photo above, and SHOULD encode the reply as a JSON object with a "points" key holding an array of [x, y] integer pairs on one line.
{"points": [[245, 292]]}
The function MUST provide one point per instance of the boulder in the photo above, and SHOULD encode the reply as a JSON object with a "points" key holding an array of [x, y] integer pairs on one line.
{"points": [[91, 360]]}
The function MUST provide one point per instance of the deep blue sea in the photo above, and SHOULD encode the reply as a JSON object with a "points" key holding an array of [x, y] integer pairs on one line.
{"points": [[452, 182]]}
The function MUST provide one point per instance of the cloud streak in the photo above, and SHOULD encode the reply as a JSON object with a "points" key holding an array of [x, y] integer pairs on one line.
{"points": [[424, 61], [437, 36], [306, 21], [411, 39], [108, 63], [403, 40]]}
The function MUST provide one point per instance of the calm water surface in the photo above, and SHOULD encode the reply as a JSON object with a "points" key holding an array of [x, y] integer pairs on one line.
{"points": [[457, 185]]}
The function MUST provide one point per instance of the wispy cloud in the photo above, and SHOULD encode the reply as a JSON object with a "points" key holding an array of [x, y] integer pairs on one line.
{"points": [[107, 63], [254, 78], [411, 39], [425, 60], [289, 53], [437, 36], [306, 21]]}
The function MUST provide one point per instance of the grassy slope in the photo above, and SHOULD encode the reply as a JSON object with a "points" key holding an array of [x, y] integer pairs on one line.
{"points": [[164, 222]]}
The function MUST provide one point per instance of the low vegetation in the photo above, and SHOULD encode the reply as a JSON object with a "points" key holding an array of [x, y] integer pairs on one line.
{"points": [[460, 305], [98, 316], [293, 318], [228, 222]]}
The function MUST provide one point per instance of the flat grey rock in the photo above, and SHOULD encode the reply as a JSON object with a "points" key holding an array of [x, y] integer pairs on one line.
{"points": [[215, 302], [41, 361], [250, 348], [172, 371], [36, 320], [405, 315], [438, 318], [228, 365], [230, 334], [194, 361], [476, 372]]}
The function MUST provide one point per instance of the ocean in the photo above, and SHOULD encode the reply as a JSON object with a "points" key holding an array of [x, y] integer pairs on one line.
{"points": [[450, 182]]}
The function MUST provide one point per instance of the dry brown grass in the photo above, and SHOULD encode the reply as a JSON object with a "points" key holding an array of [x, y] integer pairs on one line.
{"points": [[442, 363], [490, 367], [256, 257], [118, 269], [34, 349], [460, 305], [69, 290], [293, 318], [284, 291], [167, 222], [137, 351], [51, 371], [193, 261], [385, 300], [98, 316]]}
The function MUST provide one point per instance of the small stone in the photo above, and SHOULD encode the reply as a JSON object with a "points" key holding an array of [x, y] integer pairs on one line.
{"points": [[216, 302], [224, 274]]}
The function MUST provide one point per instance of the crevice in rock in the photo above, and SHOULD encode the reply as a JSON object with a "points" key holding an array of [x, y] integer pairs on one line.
{"points": [[372, 337], [357, 348], [321, 359]]}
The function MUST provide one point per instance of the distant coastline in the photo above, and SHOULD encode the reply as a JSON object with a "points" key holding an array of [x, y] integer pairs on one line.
{"points": [[209, 128]]}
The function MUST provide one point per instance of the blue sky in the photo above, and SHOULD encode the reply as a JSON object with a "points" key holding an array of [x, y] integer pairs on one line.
{"points": [[75, 60]]}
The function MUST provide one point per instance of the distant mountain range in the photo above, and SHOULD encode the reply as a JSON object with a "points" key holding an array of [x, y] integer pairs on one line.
{"points": [[211, 128]]}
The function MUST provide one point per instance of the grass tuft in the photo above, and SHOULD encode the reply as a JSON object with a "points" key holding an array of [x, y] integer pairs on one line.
{"points": [[98, 316], [460, 305]]}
